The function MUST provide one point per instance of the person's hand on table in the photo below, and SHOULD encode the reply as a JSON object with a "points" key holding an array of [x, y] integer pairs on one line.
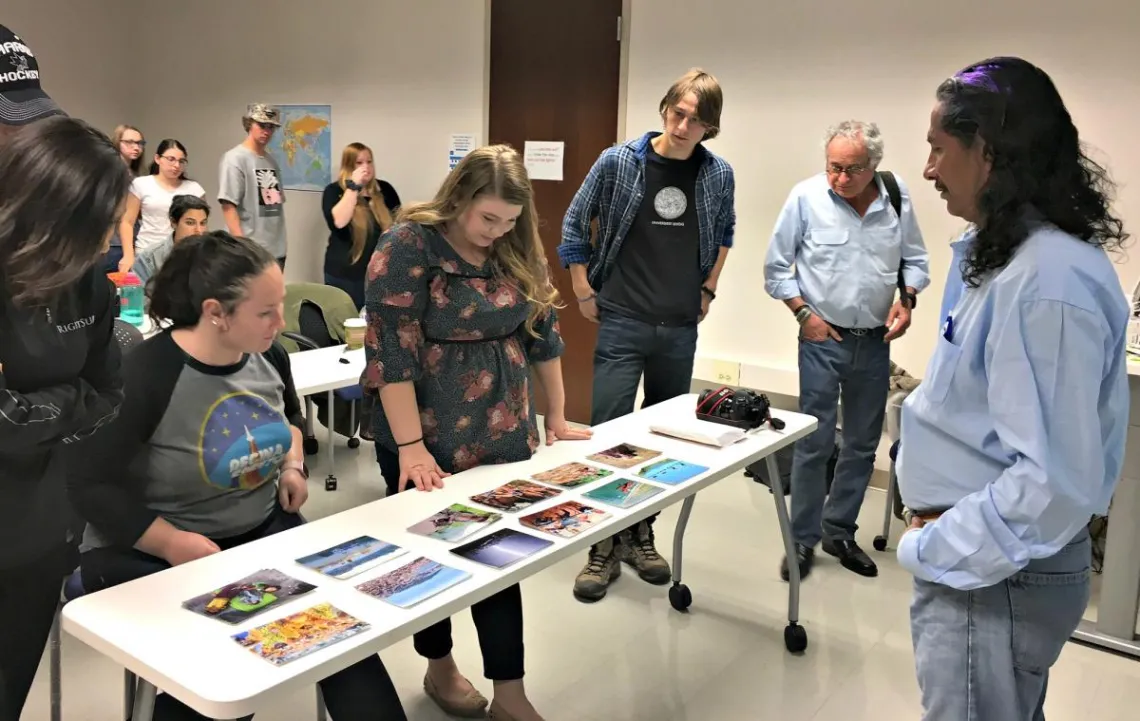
{"points": [[292, 490], [125, 264], [184, 547], [557, 429], [419, 468]]}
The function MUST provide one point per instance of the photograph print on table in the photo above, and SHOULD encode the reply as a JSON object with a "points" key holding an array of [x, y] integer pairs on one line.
{"points": [[293, 637], [502, 548], [351, 557], [572, 475], [671, 471], [623, 455], [565, 520], [515, 496], [623, 493], [241, 600], [414, 582], [454, 523]]}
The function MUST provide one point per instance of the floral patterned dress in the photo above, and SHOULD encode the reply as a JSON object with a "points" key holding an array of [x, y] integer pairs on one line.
{"points": [[457, 332]]}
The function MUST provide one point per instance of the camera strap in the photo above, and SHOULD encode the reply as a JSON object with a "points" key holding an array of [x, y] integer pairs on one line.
{"points": [[713, 400]]}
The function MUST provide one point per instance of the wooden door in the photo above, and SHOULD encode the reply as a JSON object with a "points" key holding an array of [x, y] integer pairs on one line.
{"points": [[555, 68]]}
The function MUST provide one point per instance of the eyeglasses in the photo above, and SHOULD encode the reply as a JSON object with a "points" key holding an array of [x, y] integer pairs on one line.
{"points": [[851, 170], [134, 143], [172, 159]]}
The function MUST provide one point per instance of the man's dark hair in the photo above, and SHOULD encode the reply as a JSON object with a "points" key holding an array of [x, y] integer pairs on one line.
{"points": [[215, 266], [1038, 165], [180, 205], [61, 192]]}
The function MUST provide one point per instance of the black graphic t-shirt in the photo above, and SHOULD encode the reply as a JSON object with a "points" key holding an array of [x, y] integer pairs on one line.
{"points": [[657, 277], [201, 446]]}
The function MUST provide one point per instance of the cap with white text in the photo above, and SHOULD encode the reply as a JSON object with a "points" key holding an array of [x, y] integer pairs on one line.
{"points": [[22, 100]]}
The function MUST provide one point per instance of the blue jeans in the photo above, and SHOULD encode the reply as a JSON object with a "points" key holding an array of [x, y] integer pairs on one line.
{"points": [[628, 348], [856, 369], [985, 655]]}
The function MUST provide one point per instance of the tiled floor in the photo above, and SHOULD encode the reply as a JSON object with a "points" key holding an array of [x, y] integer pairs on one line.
{"points": [[631, 657]]}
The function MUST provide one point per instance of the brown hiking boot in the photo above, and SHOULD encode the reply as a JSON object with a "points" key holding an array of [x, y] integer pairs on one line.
{"points": [[601, 570], [636, 548]]}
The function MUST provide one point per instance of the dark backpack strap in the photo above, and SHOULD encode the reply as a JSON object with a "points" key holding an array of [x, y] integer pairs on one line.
{"points": [[895, 196]]}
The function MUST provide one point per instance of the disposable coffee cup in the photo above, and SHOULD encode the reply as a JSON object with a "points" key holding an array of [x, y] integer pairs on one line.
{"points": [[354, 329]]}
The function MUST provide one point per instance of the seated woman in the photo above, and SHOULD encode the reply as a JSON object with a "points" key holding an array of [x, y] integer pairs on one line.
{"points": [[189, 216], [176, 476], [460, 311]]}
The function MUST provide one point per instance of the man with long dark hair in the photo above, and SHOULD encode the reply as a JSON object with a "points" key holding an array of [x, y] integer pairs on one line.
{"points": [[1016, 436]]}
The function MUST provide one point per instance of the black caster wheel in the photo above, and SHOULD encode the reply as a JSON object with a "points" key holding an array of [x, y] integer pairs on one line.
{"points": [[354, 442], [311, 446], [880, 543], [795, 638], [330, 483], [680, 597]]}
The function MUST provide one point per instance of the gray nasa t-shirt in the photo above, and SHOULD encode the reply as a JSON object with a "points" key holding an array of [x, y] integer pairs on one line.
{"points": [[217, 438], [252, 182]]}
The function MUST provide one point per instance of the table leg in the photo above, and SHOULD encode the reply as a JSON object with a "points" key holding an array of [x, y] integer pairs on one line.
{"points": [[56, 669], [129, 682], [330, 480], [679, 595], [1115, 626], [144, 701], [795, 637], [322, 712]]}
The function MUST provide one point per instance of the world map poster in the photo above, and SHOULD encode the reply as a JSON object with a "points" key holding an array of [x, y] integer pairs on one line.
{"points": [[303, 146]]}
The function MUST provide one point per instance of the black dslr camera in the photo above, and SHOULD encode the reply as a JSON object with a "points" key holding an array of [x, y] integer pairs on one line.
{"points": [[742, 409]]}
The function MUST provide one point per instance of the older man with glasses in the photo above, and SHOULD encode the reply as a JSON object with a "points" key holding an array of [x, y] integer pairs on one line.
{"points": [[845, 239]]}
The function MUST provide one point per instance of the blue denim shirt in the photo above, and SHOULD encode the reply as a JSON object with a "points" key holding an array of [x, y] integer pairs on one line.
{"points": [[612, 193], [844, 266], [1019, 425]]}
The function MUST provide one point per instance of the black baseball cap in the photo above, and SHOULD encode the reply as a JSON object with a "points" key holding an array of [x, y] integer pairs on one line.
{"points": [[22, 100]]}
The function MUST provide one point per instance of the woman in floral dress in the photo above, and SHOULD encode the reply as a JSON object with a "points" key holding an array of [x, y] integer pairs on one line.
{"points": [[461, 315]]}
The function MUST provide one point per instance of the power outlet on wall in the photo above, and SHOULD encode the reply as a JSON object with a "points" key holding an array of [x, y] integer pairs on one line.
{"points": [[726, 372]]}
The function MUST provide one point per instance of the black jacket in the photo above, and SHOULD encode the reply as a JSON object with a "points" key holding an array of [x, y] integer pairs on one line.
{"points": [[59, 383]]}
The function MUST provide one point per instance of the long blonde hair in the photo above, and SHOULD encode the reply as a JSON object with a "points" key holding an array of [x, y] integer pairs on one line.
{"points": [[376, 208], [497, 171], [117, 138]]}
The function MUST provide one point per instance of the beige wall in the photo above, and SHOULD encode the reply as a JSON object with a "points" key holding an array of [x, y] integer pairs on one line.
{"points": [[791, 69], [401, 77]]}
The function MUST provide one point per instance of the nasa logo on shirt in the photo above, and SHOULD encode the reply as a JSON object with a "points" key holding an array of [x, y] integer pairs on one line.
{"points": [[670, 203]]}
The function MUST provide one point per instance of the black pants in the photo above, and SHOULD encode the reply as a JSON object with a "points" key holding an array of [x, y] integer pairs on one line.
{"points": [[361, 692], [29, 597], [498, 619]]}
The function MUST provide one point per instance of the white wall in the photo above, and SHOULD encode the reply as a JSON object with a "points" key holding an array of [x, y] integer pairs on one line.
{"points": [[84, 62], [791, 69], [401, 77]]}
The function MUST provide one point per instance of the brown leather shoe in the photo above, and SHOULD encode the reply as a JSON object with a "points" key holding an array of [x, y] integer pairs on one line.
{"points": [[472, 705]]}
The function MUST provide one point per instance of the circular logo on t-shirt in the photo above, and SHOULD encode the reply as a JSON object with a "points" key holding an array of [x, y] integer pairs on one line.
{"points": [[243, 442], [670, 203]]}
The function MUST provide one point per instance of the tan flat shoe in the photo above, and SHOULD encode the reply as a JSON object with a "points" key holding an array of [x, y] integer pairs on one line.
{"points": [[472, 705], [496, 713]]}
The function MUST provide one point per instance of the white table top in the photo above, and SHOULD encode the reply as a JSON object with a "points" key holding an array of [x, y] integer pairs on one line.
{"points": [[317, 371], [142, 626]]}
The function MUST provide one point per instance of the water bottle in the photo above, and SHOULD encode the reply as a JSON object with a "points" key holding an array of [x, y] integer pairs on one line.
{"points": [[131, 298]]}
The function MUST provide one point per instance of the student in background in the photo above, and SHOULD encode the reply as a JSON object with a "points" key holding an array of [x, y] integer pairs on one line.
{"points": [[149, 203], [358, 208], [253, 201], [131, 144], [461, 316], [160, 489], [189, 216], [666, 218], [59, 361], [1016, 436]]}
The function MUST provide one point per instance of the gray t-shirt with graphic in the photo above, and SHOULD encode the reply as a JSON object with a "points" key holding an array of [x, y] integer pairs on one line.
{"points": [[202, 445], [252, 183]]}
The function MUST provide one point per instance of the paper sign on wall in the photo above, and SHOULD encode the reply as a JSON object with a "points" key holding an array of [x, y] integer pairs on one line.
{"points": [[543, 159], [461, 144]]}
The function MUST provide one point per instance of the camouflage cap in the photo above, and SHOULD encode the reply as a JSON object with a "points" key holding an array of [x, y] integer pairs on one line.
{"points": [[264, 114]]}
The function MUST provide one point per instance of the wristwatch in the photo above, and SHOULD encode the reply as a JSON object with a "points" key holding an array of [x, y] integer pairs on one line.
{"points": [[351, 185], [911, 299]]}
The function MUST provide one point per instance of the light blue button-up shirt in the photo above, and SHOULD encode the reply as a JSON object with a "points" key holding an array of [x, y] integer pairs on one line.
{"points": [[843, 266], [1019, 425]]}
